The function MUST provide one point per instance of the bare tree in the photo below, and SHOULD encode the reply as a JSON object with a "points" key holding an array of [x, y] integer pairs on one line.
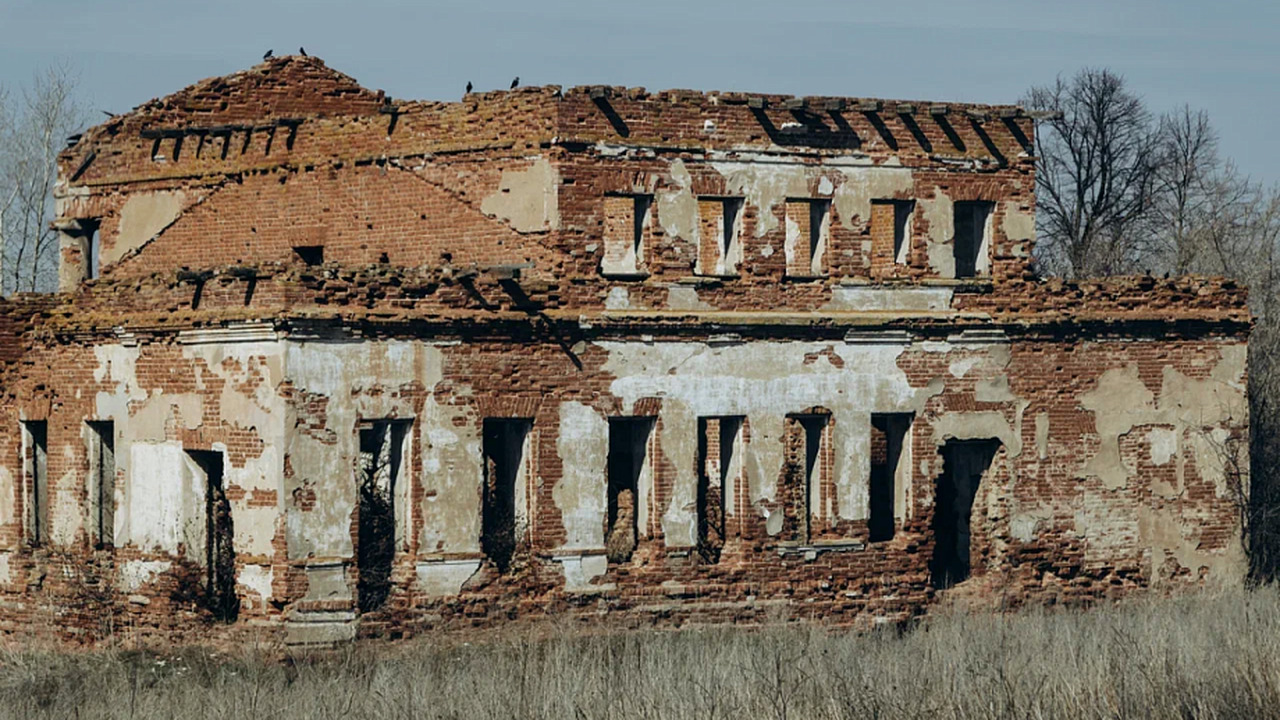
{"points": [[1098, 153], [34, 126], [1190, 183]]}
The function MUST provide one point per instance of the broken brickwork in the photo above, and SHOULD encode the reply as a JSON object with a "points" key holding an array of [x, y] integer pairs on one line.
{"points": [[357, 365]]}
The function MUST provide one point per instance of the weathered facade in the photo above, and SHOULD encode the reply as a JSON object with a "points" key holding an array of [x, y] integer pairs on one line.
{"points": [[329, 363]]}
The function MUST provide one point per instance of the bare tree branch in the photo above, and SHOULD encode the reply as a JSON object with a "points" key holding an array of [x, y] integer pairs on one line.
{"points": [[1096, 176], [33, 129]]}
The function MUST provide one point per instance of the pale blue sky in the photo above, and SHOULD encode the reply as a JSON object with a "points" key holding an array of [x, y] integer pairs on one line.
{"points": [[1221, 56]]}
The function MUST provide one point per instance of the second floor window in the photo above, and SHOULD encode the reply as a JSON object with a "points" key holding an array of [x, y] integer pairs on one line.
{"points": [[808, 235], [626, 234], [972, 241]]}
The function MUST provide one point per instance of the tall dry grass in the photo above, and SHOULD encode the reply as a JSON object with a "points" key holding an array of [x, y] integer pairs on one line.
{"points": [[1208, 656]]}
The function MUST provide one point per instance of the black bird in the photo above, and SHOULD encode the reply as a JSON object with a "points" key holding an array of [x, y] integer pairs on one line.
{"points": [[515, 82], [266, 55], [302, 51], [468, 86]]}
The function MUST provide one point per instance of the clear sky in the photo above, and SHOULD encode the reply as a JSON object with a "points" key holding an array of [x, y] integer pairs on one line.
{"points": [[1222, 56]]}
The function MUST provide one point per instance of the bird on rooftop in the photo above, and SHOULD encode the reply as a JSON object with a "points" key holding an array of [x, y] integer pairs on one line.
{"points": [[266, 55], [302, 51], [468, 86], [515, 82]]}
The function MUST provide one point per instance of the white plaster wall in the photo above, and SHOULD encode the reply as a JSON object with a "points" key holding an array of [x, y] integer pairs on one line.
{"points": [[365, 380], [166, 499], [763, 381], [159, 503]]}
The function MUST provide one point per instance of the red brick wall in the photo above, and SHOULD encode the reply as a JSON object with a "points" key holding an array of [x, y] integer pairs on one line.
{"points": [[314, 159]]}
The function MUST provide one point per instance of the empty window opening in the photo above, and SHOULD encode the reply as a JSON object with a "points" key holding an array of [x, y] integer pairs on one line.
{"points": [[93, 252], [902, 215], [35, 437], [719, 467], [381, 458], [628, 465], [310, 254], [626, 228], [971, 245], [808, 235], [719, 228], [806, 456], [891, 229], [504, 531], [80, 238], [964, 464], [889, 464], [102, 482], [219, 552]]}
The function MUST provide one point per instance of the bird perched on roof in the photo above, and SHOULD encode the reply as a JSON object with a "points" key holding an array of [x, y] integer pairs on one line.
{"points": [[302, 51], [266, 55], [468, 86], [515, 82]]}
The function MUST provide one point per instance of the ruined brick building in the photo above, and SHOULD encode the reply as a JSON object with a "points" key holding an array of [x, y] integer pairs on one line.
{"points": [[329, 363]]}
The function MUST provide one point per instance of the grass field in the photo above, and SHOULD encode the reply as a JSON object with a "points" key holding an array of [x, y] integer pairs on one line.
{"points": [[1207, 656]]}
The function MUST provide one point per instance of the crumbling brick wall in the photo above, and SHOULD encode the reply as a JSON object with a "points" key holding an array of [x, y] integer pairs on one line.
{"points": [[483, 261]]}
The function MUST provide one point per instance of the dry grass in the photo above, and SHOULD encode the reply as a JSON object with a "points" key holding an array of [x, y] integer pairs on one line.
{"points": [[1210, 656]]}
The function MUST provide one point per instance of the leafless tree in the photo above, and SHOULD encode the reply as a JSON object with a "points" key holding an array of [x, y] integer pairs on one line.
{"points": [[1097, 175], [34, 125], [1119, 193], [1242, 241], [1191, 182]]}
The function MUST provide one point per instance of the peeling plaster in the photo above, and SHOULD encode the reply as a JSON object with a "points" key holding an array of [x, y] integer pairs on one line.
{"points": [[445, 578], [133, 575], [165, 500], [1169, 536], [1121, 402], [939, 213], [257, 579], [143, 217], [580, 571], [8, 509], [980, 426], [764, 382], [685, 297], [618, 299], [583, 444], [863, 298], [765, 186], [364, 380], [527, 199], [1164, 444], [862, 185], [678, 207], [1020, 229]]}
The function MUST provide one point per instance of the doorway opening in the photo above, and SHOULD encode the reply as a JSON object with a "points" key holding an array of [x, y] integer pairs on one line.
{"points": [[381, 458], [219, 552], [964, 464]]}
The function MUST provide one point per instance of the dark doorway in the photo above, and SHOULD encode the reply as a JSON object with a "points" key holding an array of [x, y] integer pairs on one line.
{"points": [[888, 436], [381, 455], [220, 555], [628, 456], [964, 464], [502, 519]]}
